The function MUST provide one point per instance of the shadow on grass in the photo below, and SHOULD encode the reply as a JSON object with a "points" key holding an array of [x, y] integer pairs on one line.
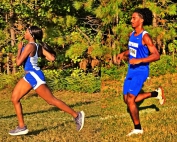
{"points": [[51, 109], [36, 132], [153, 106], [74, 105]]}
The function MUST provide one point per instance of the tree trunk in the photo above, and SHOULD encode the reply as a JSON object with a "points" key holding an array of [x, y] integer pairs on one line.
{"points": [[163, 48], [1, 56], [8, 68], [158, 42], [154, 22], [114, 55], [12, 21], [144, 3], [12, 34]]}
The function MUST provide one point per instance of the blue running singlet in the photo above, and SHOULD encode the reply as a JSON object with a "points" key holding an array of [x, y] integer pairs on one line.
{"points": [[34, 76], [137, 74], [138, 50]]}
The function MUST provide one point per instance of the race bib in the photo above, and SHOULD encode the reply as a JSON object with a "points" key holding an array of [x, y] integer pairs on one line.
{"points": [[132, 52]]}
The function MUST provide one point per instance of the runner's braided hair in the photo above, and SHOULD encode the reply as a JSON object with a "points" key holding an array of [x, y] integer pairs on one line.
{"points": [[145, 14], [37, 34]]}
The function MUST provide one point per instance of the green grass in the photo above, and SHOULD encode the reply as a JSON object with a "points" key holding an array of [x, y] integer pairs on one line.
{"points": [[158, 121], [107, 119], [48, 124]]}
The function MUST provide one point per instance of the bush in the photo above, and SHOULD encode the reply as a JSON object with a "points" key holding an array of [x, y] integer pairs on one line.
{"points": [[79, 81], [114, 72], [9, 81], [84, 83], [55, 79], [166, 64], [76, 80]]}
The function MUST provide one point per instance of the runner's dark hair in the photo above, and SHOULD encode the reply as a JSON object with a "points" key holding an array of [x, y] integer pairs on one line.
{"points": [[37, 34], [146, 14]]}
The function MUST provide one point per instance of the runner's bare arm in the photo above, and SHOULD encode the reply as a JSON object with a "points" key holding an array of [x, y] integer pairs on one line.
{"points": [[21, 56]]}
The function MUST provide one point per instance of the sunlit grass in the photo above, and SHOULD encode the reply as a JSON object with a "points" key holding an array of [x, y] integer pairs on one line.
{"points": [[49, 124], [158, 121], [107, 119]]}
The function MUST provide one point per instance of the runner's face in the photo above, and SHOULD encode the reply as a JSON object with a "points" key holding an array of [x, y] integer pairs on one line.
{"points": [[27, 34], [136, 20]]}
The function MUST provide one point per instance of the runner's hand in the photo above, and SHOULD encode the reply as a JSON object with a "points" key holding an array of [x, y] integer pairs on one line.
{"points": [[20, 45], [135, 61]]}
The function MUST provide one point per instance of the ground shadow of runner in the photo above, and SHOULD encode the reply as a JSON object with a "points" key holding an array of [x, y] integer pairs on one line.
{"points": [[153, 106], [36, 132], [52, 108]]}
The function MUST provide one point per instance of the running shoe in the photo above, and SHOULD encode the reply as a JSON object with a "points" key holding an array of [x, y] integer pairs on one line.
{"points": [[19, 131], [80, 120], [135, 131], [160, 95]]}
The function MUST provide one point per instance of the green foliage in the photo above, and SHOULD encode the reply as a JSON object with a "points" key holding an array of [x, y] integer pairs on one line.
{"points": [[163, 66], [98, 50], [70, 21], [70, 27], [75, 52], [55, 79], [172, 46], [4, 39], [6, 81], [77, 5], [82, 82], [77, 81], [114, 72], [9, 81], [171, 9]]}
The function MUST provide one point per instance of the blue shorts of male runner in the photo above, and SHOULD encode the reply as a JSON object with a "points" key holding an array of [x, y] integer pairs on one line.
{"points": [[35, 78], [134, 81]]}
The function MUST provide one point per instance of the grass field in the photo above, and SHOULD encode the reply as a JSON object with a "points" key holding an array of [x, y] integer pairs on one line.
{"points": [[107, 119], [48, 124], [158, 121]]}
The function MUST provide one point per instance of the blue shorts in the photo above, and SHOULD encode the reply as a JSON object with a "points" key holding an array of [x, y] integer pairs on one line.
{"points": [[35, 78], [134, 81]]}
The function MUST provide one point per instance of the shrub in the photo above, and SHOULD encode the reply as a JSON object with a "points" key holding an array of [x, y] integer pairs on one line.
{"points": [[114, 72], [84, 83], [75, 80], [55, 79], [9, 81], [166, 64]]}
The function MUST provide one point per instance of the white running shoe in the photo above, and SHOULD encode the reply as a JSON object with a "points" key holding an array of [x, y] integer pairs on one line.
{"points": [[160, 95], [135, 131], [80, 120], [19, 131]]}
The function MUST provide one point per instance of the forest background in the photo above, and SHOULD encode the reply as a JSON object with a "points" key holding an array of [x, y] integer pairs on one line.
{"points": [[86, 35]]}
